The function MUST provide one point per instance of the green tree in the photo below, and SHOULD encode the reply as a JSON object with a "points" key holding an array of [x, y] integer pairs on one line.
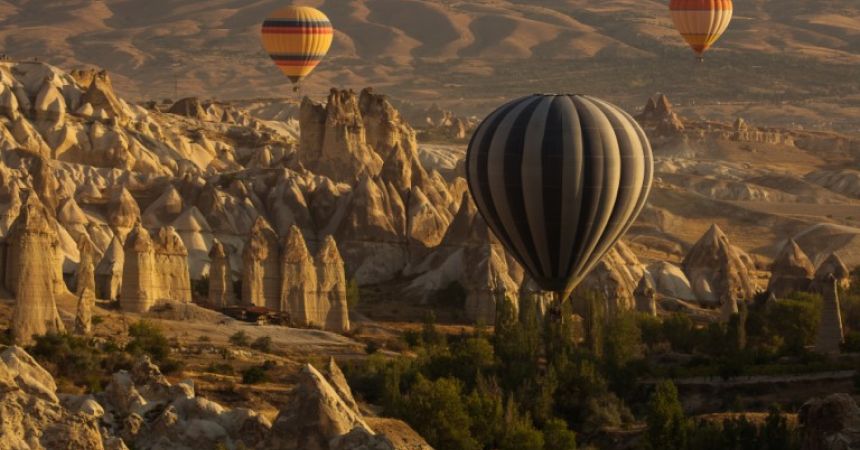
{"points": [[240, 339], [520, 432], [436, 410], [148, 338], [557, 436], [667, 429]]}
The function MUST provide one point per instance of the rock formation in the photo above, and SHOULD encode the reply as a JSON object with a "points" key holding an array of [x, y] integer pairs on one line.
{"points": [[487, 283], [334, 139], [830, 423], [831, 267], [791, 271], [830, 334], [615, 279], [109, 271], [300, 290], [140, 278], [646, 297], [333, 307], [171, 262], [221, 292], [85, 288], [670, 281], [658, 113], [319, 416], [122, 211], [717, 270], [261, 271], [30, 270]]}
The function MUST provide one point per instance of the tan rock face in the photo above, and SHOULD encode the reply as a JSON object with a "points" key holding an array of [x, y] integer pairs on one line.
{"points": [[659, 113], [717, 270], [332, 287], [30, 269], [615, 278], [171, 262], [300, 289], [85, 288], [646, 297], [791, 271], [488, 282], [833, 267], [100, 95], [109, 271], [261, 271], [140, 280], [220, 277], [334, 140], [317, 416], [122, 210]]}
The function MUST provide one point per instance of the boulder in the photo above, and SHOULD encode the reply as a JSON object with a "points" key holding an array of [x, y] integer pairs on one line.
{"points": [[830, 423]]}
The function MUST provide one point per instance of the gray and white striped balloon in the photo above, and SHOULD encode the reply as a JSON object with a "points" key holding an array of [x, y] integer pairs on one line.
{"points": [[559, 179]]}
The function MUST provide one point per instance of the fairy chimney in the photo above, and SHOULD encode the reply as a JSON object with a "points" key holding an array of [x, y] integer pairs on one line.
{"points": [[791, 271], [220, 277], [139, 274], [261, 271], [299, 277], [171, 262], [85, 288], [332, 286], [32, 245]]}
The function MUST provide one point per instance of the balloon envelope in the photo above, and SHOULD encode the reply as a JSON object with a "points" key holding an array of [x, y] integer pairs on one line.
{"points": [[559, 179], [297, 38], [701, 22]]}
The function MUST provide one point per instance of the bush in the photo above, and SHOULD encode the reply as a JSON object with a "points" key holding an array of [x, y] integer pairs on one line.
{"points": [[148, 338], [557, 436], [240, 339], [221, 368], [666, 422], [262, 344], [255, 375], [436, 410]]}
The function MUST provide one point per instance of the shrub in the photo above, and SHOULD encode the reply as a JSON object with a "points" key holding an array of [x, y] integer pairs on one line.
{"points": [[255, 375], [240, 339], [262, 344], [148, 338]]}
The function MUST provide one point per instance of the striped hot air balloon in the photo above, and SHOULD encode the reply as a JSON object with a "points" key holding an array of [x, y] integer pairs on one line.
{"points": [[701, 22], [297, 38], [559, 179]]}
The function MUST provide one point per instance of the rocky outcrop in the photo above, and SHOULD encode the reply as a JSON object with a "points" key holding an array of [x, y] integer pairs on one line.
{"points": [[671, 281], [333, 307], [717, 270], [171, 262], [658, 113], [615, 279], [122, 210], [830, 423], [300, 289], [487, 283], [140, 277], [791, 271], [334, 139], [646, 297], [221, 292], [30, 272], [834, 268], [85, 288], [33, 416], [261, 271], [189, 107], [318, 416], [100, 95]]}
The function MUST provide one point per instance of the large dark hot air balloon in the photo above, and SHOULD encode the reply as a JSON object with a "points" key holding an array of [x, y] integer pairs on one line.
{"points": [[297, 38], [701, 22], [559, 179]]}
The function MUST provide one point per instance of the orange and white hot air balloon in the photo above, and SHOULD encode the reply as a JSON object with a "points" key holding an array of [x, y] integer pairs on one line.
{"points": [[701, 22], [297, 38]]}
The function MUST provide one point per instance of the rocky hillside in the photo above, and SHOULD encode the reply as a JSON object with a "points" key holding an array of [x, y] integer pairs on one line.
{"points": [[451, 51], [142, 409]]}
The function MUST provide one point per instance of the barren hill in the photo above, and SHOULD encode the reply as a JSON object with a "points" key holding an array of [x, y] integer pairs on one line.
{"points": [[473, 52]]}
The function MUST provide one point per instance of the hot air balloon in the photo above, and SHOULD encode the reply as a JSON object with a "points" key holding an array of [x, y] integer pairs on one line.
{"points": [[297, 38], [701, 22], [559, 179]]}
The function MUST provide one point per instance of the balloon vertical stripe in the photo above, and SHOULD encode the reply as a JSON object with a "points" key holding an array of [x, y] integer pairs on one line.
{"points": [[559, 179]]}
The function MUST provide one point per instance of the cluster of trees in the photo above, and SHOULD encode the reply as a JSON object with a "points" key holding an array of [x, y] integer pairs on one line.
{"points": [[532, 382]]}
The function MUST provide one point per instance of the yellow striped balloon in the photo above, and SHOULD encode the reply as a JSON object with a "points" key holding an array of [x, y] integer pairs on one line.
{"points": [[297, 38], [701, 22]]}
